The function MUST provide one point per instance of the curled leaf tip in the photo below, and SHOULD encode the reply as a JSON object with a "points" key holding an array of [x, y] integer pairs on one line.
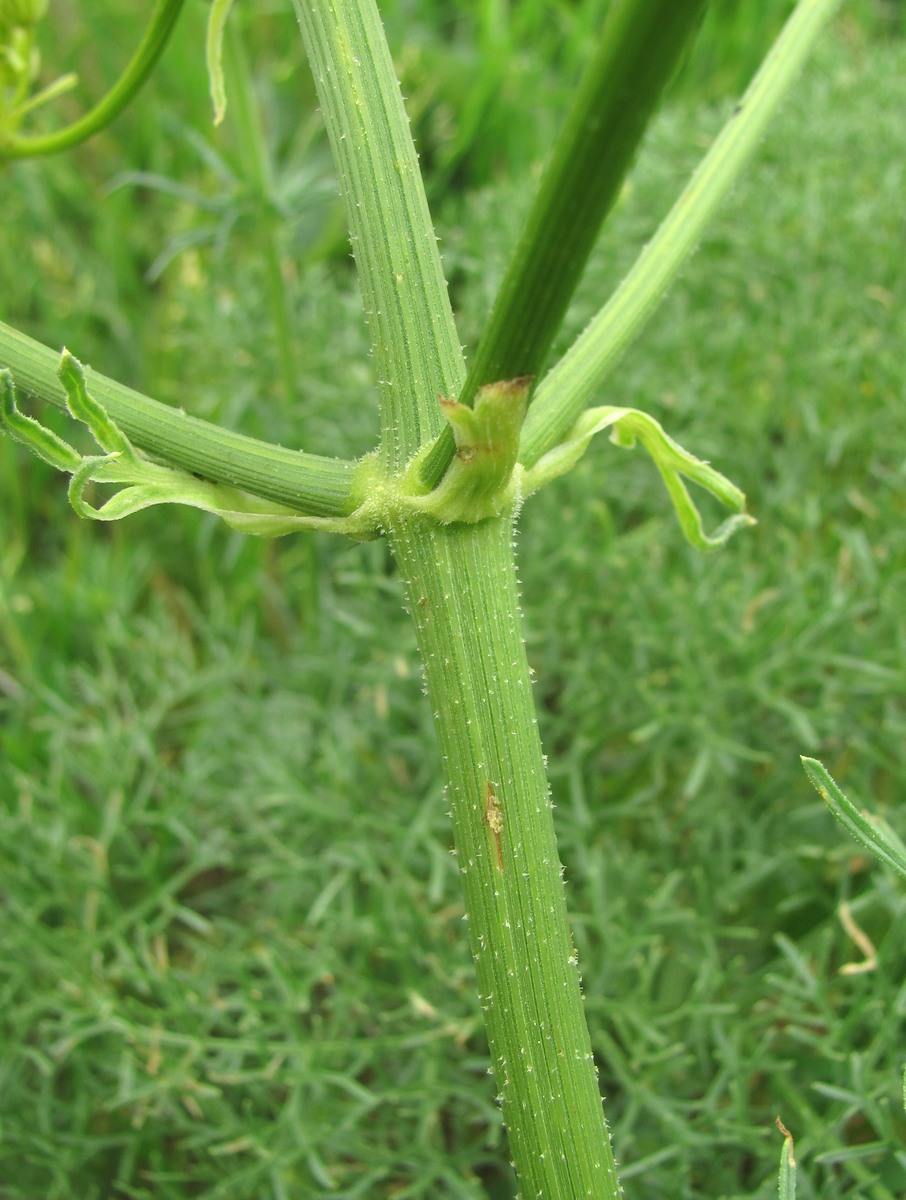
{"points": [[627, 427], [31, 433]]}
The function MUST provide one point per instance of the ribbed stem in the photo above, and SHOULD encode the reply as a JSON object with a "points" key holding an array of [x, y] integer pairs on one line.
{"points": [[461, 587]]}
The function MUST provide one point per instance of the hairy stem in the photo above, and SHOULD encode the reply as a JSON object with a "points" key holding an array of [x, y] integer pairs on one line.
{"points": [[461, 588]]}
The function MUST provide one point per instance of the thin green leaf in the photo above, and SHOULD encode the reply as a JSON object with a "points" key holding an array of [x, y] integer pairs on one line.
{"points": [[869, 831], [86, 409], [147, 484]]}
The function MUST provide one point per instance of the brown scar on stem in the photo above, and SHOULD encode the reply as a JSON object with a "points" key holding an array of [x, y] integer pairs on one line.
{"points": [[493, 816]]}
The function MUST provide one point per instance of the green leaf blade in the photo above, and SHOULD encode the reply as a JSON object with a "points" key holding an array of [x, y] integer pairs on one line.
{"points": [[873, 833], [31, 433]]}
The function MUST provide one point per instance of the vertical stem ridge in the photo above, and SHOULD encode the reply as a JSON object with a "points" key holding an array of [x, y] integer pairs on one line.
{"points": [[462, 592]]}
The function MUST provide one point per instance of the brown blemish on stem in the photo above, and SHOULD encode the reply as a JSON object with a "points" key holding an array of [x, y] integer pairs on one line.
{"points": [[493, 816]]}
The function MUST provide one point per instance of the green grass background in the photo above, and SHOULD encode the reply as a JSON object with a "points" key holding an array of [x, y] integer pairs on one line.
{"points": [[232, 958]]}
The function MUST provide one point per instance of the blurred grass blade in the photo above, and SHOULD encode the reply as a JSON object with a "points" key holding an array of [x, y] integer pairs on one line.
{"points": [[569, 387], [217, 19], [637, 53], [871, 832]]}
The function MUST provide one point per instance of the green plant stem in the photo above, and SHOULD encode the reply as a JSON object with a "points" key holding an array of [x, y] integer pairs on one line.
{"points": [[571, 384], [461, 589], [415, 347], [310, 483], [640, 45], [140, 66]]}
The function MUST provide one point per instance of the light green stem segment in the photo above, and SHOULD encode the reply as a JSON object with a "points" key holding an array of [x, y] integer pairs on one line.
{"points": [[572, 383], [416, 350], [461, 587], [140, 66]]}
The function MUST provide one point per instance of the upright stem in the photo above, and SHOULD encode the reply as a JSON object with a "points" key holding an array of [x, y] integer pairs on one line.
{"points": [[461, 588]]}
